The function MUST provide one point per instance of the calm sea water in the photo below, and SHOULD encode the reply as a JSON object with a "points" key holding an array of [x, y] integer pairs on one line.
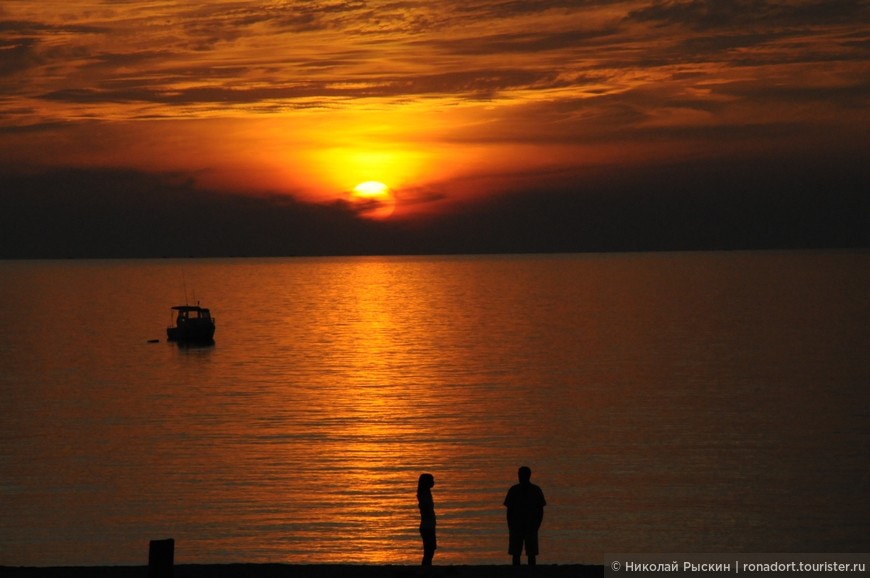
{"points": [[697, 402]]}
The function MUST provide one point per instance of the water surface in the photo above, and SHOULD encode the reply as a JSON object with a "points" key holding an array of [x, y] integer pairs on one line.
{"points": [[685, 402]]}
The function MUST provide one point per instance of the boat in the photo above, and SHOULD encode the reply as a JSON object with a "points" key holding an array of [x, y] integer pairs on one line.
{"points": [[193, 324]]}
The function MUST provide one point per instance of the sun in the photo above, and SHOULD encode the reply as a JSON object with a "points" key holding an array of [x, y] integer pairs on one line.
{"points": [[371, 189], [373, 199]]}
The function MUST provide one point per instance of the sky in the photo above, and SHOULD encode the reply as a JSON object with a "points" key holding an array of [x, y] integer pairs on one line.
{"points": [[230, 128]]}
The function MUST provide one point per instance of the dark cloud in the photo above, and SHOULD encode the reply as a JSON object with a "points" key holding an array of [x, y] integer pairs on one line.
{"points": [[853, 95], [505, 9], [714, 14], [35, 28], [207, 25], [743, 204], [119, 213], [472, 83], [814, 201], [23, 47], [16, 55], [533, 42], [22, 129], [745, 33]]}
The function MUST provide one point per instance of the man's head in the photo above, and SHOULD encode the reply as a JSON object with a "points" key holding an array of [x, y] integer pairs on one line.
{"points": [[524, 474], [426, 481]]}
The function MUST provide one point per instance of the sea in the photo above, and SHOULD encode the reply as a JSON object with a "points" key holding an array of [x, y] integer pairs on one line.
{"points": [[709, 402]]}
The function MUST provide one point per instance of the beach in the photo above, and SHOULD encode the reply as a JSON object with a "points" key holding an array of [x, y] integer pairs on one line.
{"points": [[310, 571]]}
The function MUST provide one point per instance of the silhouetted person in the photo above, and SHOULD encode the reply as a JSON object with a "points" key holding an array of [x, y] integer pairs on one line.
{"points": [[525, 511], [427, 517]]}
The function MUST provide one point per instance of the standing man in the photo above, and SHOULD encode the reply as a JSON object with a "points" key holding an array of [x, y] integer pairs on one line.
{"points": [[525, 511]]}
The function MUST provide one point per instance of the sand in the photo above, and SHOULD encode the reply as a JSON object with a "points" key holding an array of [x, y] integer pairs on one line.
{"points": [[310, 571]]}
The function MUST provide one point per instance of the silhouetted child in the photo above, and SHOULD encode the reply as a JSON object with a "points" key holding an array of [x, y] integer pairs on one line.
{"points": [[427, 517], [525, 511]]}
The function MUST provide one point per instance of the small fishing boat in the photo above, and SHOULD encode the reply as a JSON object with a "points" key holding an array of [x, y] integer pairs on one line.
{"points": [[193, 324]]}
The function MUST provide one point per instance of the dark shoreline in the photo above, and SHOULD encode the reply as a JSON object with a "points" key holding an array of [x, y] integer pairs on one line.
{"points": [[309, 571]]}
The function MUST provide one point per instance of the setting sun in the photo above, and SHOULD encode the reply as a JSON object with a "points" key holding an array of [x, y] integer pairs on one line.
{"points": [[371, 189], [374, 199]]}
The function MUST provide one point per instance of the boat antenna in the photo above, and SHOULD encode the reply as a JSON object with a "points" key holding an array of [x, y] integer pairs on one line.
{"points": [[184, 284]]}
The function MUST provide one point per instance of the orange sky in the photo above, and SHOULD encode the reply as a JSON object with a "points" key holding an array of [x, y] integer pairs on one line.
{"points": [[443, 101]]}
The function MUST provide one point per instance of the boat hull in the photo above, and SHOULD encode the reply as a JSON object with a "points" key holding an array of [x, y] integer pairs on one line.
{"points": [[196, 333]]}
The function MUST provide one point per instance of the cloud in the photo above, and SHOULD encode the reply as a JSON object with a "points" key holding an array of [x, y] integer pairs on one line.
{"points": [[817, 200], [22, 42], [272, 57], [16, 55], [29, 28], [473, 84], [122, 213], [707, 15], [748, 203], [532, 42]]}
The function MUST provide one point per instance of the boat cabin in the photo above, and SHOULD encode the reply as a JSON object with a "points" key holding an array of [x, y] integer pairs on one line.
{"points": [[187, 313]]}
